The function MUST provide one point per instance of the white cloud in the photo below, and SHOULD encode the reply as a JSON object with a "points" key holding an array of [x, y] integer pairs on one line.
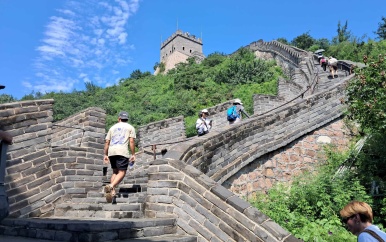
{"points": [[84, 39]]}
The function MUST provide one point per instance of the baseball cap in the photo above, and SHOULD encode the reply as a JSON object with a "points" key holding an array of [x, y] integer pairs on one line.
{"points": [[205, 111], [123, 115], [237, 101]]}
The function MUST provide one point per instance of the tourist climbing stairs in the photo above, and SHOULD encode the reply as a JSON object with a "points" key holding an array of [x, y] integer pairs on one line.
{"points": [[92, 219]]}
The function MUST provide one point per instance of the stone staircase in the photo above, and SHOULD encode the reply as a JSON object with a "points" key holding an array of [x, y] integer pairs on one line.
{"points": [[91, 219]]}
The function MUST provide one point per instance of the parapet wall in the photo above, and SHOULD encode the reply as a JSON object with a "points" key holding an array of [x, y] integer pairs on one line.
{"points": [[204, 208], [296, 63], [30, 123], [221, 154], [84, 129], [37, 174], [167, 130]]}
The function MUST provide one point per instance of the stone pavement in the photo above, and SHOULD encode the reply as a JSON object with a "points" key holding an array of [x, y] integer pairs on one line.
{"points": [[4, 238]]}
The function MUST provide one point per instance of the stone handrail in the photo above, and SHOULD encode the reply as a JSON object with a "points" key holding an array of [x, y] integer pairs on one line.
{"points": [[221, 154], [204, 208]]}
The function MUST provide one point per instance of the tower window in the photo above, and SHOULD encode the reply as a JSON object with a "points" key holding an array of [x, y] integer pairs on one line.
{"points": [[183, 48], [190, 51]]}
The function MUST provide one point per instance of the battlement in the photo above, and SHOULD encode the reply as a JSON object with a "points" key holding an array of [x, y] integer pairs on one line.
{"points": [[185, 35], [179, 47]]}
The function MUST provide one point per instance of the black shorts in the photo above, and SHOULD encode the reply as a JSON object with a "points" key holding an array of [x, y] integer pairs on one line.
{"points": [[119, 162]]}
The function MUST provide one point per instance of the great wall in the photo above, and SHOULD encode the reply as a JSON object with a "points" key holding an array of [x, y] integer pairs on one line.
{"points": [[182, 189]]}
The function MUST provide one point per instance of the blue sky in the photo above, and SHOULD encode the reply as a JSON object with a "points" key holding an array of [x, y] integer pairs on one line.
{"points": [[58, 45]]}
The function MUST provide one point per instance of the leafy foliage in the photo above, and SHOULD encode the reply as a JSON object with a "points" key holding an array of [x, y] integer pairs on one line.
{"points": [[366, 95], [137, 74], [309, 208], [343, 33], [5, 98], [182, 91], [283, 40], [303, 41], [381, 31]]}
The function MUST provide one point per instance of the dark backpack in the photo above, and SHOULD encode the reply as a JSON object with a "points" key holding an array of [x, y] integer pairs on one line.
{"points": [[232, 114]]}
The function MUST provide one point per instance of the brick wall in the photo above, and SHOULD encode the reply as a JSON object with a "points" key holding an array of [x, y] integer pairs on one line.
{"points": [[283, 164], [37, 174], [84, 129], [204, 208], [168, 130]]}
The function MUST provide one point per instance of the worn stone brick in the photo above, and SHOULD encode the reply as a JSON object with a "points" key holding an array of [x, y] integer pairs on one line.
{"points": [[216, 201], [221, 192], [222, 236], [200, 199], [200, 229], [183, 187], [277, 231], [22, 181], [186, 227]]}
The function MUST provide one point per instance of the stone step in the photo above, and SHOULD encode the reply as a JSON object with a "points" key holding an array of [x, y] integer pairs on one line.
{"points": [[94, 210], [88, 230], [102, 200], [129, 188], [98, 197], [163, 238]]}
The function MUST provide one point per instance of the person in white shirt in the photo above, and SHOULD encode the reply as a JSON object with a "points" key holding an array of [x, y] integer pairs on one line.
{"points": [[203, 123], [333, 65], [116, 152]]}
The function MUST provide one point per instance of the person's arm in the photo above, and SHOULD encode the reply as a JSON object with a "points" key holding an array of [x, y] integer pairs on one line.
{"points": [[243, 111], [132, 149], [199, 123], [106, 152]]}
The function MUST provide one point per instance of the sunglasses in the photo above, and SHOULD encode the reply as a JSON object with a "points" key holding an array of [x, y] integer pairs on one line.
{"points": [[345, 220]]}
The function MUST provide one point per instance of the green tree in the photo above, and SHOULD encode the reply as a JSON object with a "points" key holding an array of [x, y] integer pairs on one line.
{"points": [[214, 59], [5, 98], [381, 31], [323, 43], [283, 41], [343, 33], [137, 74], [366, 95], [303, 41], [91, 87]]}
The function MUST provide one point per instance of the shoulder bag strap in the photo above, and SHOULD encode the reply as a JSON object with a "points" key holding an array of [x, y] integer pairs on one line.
{"points": [[372, 233], [204, 123]]}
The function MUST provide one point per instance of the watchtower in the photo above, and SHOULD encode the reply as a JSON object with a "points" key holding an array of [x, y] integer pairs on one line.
{"points": [[179, 47]]}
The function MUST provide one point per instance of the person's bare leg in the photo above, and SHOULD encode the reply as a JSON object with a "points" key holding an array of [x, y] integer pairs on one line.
{"points": [[115, 172], [117, 178], [332, 71]]}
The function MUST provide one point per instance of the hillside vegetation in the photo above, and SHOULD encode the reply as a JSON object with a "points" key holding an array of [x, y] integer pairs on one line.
{"points": [[184, 90]]}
